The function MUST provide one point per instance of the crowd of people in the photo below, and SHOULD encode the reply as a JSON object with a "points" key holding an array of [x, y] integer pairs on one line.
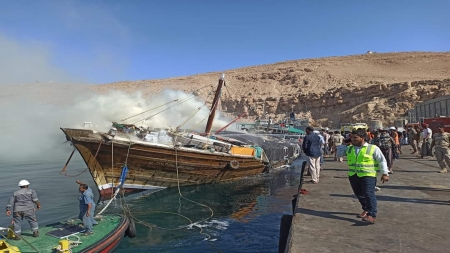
{"points": [[389, 140], [369, 152]]}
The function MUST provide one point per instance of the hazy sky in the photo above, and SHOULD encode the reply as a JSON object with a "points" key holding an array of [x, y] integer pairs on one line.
{"points": [[106, 41]]}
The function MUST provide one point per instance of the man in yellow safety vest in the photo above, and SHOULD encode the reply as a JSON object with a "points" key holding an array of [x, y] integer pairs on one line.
{"points": [[364, 161]]}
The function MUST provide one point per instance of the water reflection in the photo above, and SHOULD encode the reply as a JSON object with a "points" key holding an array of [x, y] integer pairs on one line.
{"points": [[246, 213]]}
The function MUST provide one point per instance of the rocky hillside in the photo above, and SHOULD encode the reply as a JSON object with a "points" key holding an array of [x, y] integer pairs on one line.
{"points": [[335, 89]]}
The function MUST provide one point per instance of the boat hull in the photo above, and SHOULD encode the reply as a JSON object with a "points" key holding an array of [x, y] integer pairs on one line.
{"points": [[153, 166], [112, 240]]}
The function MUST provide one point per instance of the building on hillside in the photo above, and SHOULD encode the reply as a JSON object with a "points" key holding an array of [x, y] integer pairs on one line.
{"points": [[433, 108]]}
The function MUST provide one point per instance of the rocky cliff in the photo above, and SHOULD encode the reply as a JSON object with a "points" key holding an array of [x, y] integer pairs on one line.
{"points": [[334, 90]]}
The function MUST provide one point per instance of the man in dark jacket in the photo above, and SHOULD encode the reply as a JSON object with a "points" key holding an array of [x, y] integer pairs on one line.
{"points": [[312, 148]]}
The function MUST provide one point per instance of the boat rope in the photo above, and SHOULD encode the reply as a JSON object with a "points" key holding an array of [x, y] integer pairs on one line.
{"points": [[127, 210], [128, 152], [109, 202], [65, 166], [192, 201], [198, 109], [29, 244], [148, 224], [72, 244], [148, 110], [179, 101], [229, 93], [112, 166], [118, 188]]}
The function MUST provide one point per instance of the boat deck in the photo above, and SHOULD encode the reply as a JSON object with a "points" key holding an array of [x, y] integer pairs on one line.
{"points": [[46, 243]]}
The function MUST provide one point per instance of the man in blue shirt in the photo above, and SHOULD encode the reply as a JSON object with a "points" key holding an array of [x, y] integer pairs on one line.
{"points": [[322, 141], [312, 148], [87, 208]]}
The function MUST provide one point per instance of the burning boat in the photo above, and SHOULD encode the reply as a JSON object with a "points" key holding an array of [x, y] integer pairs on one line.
{"points": [[118, 157]]}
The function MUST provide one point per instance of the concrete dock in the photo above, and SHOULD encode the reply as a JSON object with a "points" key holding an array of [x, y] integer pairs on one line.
{"points": [[413, 212]]}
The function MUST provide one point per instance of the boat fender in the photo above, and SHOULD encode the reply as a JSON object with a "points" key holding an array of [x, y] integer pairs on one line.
{"points": [[131, 230], [234, 164]]}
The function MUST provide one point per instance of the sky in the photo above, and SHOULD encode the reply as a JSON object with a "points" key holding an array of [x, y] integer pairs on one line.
{"points": [[95, 42]]}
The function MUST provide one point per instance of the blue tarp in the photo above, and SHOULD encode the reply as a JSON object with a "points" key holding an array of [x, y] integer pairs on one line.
{"points": [[123, 176]]}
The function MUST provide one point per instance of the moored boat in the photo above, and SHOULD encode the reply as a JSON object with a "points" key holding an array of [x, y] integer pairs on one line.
{"points": [[62, 237], [186, 159]]}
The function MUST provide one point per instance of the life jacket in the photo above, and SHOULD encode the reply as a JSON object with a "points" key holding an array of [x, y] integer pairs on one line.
{"points": [[363, 164]]}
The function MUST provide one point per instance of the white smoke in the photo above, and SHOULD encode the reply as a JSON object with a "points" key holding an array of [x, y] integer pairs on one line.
{"points": [[168, 109], [32, 116]]}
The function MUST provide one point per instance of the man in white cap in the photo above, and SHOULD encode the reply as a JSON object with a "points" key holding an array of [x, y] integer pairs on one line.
{"points": [[22, 203]]}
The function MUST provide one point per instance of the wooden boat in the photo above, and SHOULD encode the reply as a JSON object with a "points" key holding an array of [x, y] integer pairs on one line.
{"points": [[63, 237], [189, 160]]}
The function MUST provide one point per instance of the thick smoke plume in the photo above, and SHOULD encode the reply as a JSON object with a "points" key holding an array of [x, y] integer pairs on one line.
{"points": [[33, 114]]}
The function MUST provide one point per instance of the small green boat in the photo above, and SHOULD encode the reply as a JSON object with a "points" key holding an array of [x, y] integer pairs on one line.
{"points": [[65, 237]]}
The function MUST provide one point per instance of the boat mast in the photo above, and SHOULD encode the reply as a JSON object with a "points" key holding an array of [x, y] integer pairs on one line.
{"points": [[212, 112]]}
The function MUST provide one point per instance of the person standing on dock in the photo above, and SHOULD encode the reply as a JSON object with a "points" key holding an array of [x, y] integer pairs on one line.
{"points": [[338, 139], [22, 203], [385, 142], [441, 140], [87, 208], [326, 138], [364, 161], [395, 148], [412, 133], [311, 146], [427, 135]]}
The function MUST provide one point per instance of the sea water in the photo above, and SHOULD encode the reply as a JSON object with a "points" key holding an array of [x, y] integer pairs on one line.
{"points": [[237, 216]]}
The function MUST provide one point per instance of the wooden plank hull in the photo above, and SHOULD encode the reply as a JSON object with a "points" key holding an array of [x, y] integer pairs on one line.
{"points": [[155, 166]]}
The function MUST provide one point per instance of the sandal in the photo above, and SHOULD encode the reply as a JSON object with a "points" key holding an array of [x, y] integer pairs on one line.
{"points": [[303, 191], [86, 234]]}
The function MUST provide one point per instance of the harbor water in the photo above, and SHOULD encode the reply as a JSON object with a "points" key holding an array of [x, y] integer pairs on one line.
{"points": [[245, 213]]}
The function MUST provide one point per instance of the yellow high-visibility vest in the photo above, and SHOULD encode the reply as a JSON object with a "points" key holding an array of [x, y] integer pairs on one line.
{"points": [[362, 165]]}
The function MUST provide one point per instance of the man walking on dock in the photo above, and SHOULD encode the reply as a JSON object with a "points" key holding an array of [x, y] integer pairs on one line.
{"points": [[312, 148], [441, 140], [364, 161], [22, 204]]}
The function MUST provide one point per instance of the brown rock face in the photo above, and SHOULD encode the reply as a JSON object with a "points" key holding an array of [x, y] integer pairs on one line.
{"points": [[334, 90]]}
